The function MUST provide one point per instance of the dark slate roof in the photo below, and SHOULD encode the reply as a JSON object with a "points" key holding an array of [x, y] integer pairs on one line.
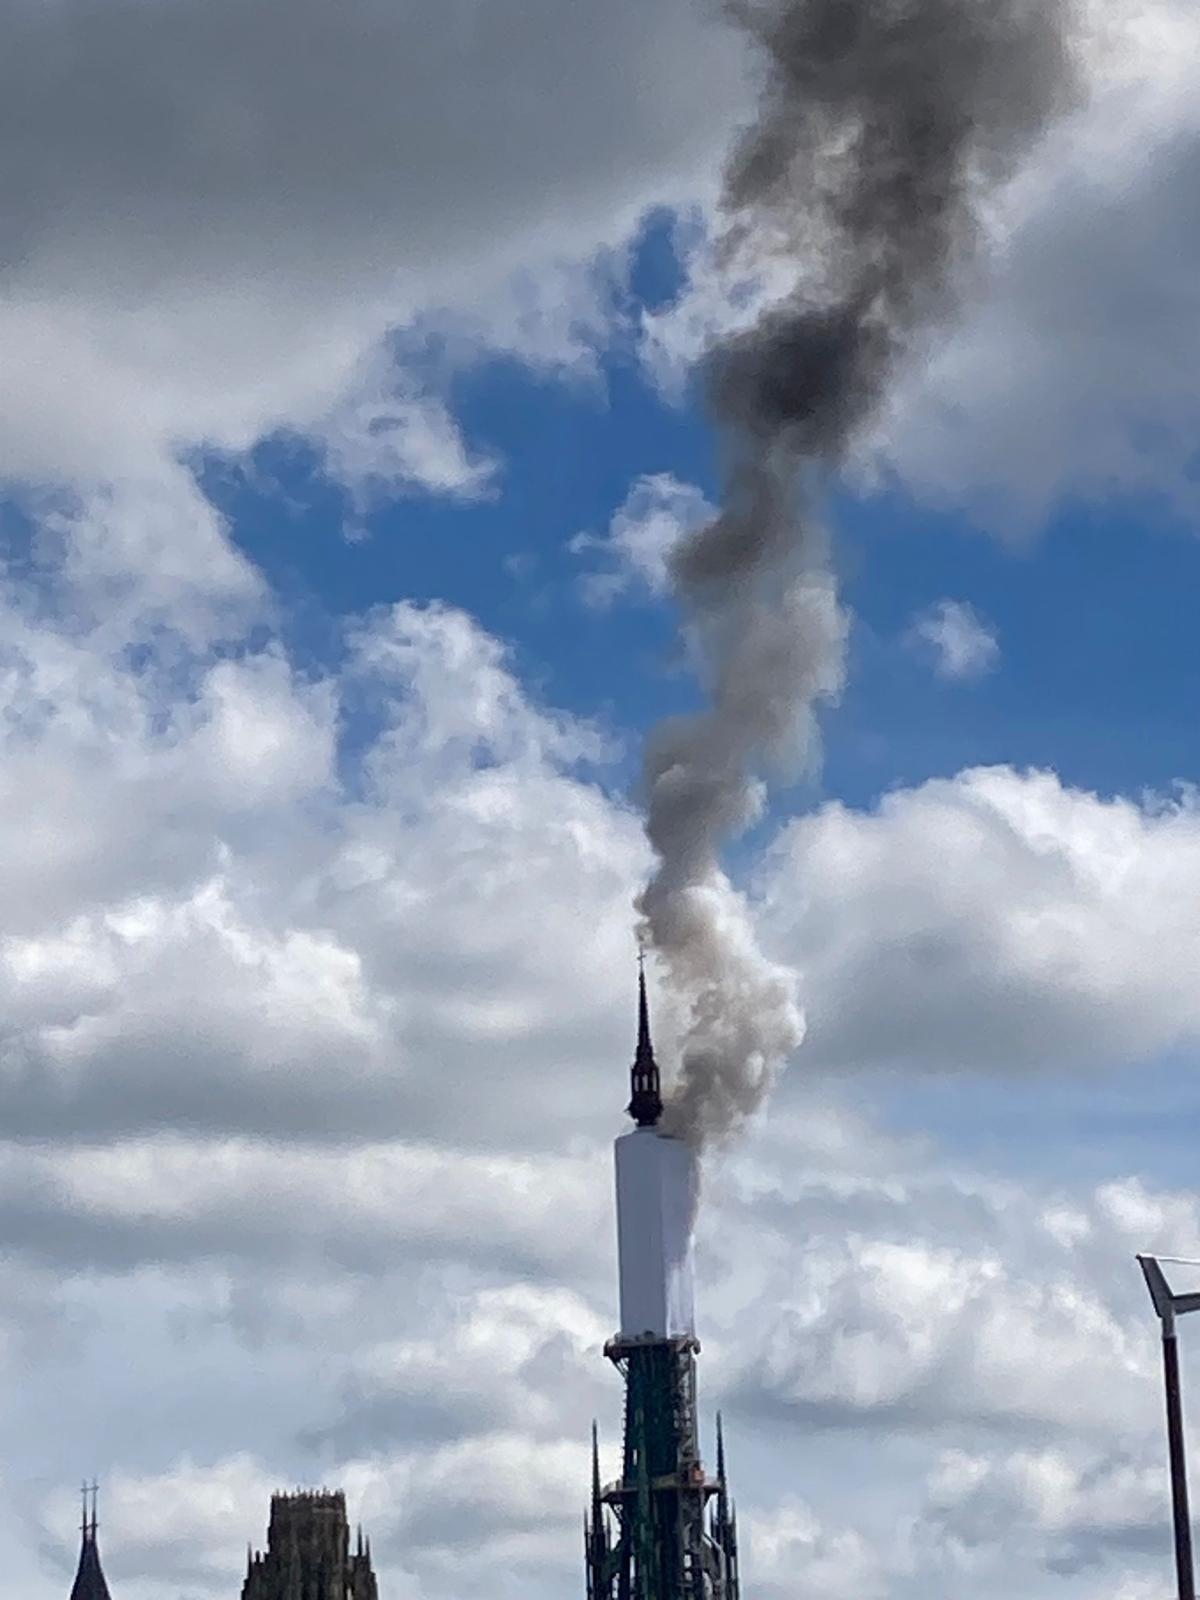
{"points": [[89, 1580]]}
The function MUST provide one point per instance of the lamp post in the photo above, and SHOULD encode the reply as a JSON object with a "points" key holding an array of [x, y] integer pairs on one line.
{"points": [[1169, 1306]]}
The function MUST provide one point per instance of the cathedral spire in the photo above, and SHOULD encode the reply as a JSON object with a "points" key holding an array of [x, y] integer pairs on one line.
{"points": [[722, 1481], [645, 1102], [89, 1579], [655, 1535], [724, 1526], [596, 1528]]}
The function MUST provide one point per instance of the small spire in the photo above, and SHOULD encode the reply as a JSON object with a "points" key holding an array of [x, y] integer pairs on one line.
{"points": [[89, 1579], [645, 1101], [724, 1522]]}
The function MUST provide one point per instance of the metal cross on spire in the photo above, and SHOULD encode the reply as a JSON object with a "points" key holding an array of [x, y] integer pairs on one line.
{"points": [[88, 1526]]}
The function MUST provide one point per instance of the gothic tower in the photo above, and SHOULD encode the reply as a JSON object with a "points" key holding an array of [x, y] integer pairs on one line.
{"points": [[89, 1579], [308, 1555], [665, 1530]]}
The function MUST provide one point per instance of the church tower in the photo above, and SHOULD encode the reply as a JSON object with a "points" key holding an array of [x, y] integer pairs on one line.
{"points": [[89, 1578], [665, 1530], [308, 1555]]}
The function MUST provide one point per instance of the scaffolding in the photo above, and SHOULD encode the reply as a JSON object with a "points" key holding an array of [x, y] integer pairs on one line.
{"points": [[664, 1530]]}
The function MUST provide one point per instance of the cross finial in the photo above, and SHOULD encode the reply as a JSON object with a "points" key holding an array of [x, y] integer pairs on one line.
{"points": [[88, 1526]]}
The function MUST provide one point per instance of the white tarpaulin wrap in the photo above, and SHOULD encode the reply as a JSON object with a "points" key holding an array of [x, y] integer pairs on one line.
{"points": [[656, 1198]]}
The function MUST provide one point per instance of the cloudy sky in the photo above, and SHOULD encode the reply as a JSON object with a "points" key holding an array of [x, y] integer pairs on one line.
{"points": [[348, 417]]}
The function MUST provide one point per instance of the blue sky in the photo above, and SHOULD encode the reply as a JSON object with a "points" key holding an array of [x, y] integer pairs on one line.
{"points": [[353, 397], [1099, 669]]}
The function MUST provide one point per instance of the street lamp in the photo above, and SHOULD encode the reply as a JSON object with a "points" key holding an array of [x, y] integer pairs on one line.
{"points": [[1169, 1306]]}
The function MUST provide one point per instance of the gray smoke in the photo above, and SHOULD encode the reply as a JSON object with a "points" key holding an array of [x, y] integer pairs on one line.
{"points": [[883, 126]]}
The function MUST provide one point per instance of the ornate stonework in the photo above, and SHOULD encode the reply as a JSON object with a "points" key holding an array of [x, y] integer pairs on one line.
{"points": [[308, 1554]]}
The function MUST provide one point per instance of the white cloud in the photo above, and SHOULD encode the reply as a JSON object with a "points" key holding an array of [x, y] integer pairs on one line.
{"points": [[791, 1551], [451, 697], [521, 1356], [657, 513], [998, 918], [922, 1302], [143, 554], [236, 1200], [964, 646], [198, 890], [216, 211], [1070, 1506], [385, 436]]}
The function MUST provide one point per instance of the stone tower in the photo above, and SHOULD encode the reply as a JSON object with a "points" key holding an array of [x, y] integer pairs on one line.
{"points": [[308, 1554]]}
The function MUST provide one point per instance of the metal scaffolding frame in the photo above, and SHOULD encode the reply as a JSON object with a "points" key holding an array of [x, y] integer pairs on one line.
{"points": [[664, 1530]]}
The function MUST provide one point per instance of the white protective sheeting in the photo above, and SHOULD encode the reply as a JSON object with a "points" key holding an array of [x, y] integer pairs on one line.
{"points": [[656, 1202]]}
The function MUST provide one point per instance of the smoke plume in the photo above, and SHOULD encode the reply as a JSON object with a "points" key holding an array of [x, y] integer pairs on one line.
{"points": [[883, 126]]}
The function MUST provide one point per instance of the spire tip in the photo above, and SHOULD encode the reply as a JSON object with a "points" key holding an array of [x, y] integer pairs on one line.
{"points": [[645, 1103]]}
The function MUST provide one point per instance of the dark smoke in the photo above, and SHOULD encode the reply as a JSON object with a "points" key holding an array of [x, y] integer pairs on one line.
{"points": [[883, 127]]}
